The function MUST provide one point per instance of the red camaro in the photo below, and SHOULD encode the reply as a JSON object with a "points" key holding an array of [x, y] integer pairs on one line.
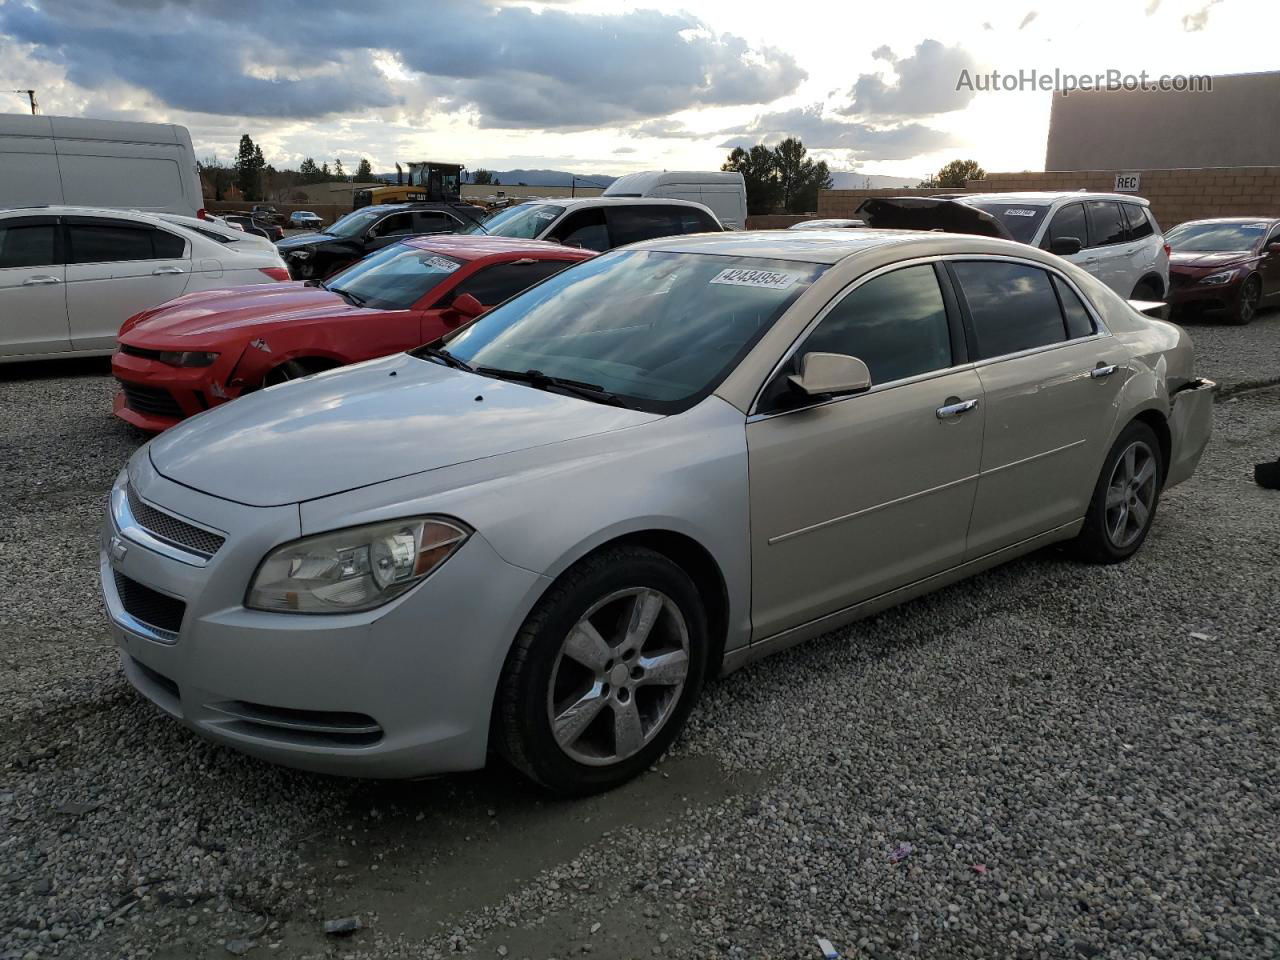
{"points": [[206, 348]]}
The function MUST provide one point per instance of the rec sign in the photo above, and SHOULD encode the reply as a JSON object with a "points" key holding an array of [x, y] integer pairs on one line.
{"points": [[1127, 182]]}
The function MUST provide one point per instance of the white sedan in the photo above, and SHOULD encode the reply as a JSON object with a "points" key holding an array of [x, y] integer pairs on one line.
{"points": [[70, 276]]}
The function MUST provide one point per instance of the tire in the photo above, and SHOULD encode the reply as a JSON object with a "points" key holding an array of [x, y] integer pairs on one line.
{"points": [[1114, 529], [289, 370], [612, 723], [1247, 303], [1145, 290]]}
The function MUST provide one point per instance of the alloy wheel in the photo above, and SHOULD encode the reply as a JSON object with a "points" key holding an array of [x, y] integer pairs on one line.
{"points": [[1250, 296], [1131, 494], [618, 676]]}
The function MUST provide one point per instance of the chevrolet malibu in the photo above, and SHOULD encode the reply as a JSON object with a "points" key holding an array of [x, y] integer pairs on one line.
{"points": [[542, 534], [203, 349]]}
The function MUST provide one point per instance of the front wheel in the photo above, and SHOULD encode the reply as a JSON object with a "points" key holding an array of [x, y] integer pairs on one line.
{"points": [[1247, 304], [1125, 498], [603, 673]]}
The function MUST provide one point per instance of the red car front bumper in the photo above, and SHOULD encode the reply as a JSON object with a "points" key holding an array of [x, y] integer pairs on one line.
{"points": [[155, 396]]}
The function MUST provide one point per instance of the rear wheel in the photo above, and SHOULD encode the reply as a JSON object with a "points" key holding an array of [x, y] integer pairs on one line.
{"points": [[1125, 498], [1247, 304], [1145, 290], [604, 672]]}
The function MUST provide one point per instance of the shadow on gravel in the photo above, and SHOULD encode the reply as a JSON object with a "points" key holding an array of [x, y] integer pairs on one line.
{"points": [[54, 369]]}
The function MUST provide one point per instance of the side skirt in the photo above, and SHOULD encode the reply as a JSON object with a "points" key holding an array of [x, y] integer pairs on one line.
{"points": [[742, 656]]}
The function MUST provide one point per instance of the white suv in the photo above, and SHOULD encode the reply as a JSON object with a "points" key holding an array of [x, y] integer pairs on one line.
{"points": [[70, 276], [1113, 236], [599, 223]]}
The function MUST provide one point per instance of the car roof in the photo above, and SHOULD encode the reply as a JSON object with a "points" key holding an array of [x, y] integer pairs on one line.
{"points": [[1044, 196], [572, 202], [478, 246], [69, 210], [817, 246], [1257, 219]]}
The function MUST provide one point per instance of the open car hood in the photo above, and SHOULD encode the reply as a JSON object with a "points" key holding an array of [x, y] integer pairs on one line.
{"points": [[930, 213]]}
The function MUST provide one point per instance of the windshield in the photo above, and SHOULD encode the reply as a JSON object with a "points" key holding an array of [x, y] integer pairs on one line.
{"points": [[1215, 237], [393, 279], [659, 330], [1020, 219], [525, 221], [354, 224]]}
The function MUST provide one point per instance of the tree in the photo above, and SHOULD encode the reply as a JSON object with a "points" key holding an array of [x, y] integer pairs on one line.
{"points": [[956, 174], [338, 172], [325, 175], [216, 178], [249, 164], [758, 167], [308, 172], [364, 171], [799, 178], [482, 176]]}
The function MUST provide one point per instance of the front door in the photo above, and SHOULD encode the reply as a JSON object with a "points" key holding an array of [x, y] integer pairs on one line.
{"points": [[33, 297], [856, 496], [116, 268], [1050, 379]]}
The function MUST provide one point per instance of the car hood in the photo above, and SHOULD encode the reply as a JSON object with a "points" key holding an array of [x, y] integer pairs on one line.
{"points": [[215, 312], [365, 424], [1190, 258], [930, 213], [296, 240]]}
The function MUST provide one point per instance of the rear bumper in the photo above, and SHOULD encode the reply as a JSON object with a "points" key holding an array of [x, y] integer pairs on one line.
{"points": [[1190, 425]]}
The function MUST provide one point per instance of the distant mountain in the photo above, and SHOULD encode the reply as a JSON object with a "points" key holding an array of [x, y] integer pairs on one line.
{"points": [[864, 181], [547, 178]]}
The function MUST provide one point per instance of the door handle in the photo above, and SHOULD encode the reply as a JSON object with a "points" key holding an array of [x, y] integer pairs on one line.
{"points": [[37, 281], [950, 411], [161, 270], [1102, 371]]}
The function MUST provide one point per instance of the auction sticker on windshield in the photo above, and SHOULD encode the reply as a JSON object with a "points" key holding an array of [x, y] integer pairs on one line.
{"points": [[1018, 212], [738, 277], [441, 263]]}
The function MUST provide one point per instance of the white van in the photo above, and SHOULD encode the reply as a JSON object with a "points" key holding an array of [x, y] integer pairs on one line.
{"points": [[149, 167], [724, 193]]}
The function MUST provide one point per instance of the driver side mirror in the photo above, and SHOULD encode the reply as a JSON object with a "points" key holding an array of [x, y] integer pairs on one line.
{"points": [[831, 374], [1273, 246], [468, 306], [1065, 246]]}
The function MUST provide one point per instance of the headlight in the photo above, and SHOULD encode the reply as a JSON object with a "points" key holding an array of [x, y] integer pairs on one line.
{"points": [[187, 358], [1216, 279], [355, 569]]}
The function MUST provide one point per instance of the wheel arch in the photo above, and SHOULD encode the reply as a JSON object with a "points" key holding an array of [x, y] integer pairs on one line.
{"points": [[1155, 280]]}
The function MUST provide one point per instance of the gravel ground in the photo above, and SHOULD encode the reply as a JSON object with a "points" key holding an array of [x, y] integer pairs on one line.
{"points": [[1050, 760]]}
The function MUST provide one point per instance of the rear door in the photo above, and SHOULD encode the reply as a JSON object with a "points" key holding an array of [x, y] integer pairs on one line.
{"points": [[116, 268], [1051, 376], [1144, 246], [434, 221], [33, 297], [635, 222], [1108, 255]]}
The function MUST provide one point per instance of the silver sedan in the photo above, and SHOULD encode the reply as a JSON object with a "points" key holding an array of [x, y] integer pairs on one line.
{"points": [[542, 535]]}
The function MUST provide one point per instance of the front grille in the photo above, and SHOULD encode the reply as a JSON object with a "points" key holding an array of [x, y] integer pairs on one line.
{"points": [[151, 400], [140, 352], [170, 529], [151, 607]]}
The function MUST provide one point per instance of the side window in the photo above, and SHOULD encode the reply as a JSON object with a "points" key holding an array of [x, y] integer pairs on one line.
{"points": [[168, 246], [494, 284], [29, 244], [1067, 222], [1274, 238], [1106, 224], [896, 324], [1013, 307], [631, 224], [1139, 223], [109, 243], [1079, 322], [584, 228], [429, 221], [693, 220], [396, 225]]}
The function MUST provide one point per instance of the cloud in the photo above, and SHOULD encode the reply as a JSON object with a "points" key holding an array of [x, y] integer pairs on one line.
{"points": [[624, 150], [513, 66], [1152, 7], [1197, 21], [663, 128], [1031, 15], [926, 83], [819, 132]]}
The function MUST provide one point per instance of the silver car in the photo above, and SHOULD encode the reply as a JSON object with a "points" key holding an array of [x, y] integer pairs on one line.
{"points": [[543, 535]]}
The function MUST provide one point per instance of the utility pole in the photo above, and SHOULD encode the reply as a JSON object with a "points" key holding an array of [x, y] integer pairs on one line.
{"points": [[30, 95]]}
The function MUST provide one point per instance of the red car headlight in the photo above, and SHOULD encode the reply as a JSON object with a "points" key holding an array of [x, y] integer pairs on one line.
{"points": [[187, 358]]}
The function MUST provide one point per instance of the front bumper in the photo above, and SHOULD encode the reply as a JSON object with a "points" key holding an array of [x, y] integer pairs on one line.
{"points": [[154, 396], [1187, 294], [405, 690]]}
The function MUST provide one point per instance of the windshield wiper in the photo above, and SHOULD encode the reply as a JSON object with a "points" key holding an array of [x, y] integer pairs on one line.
{"points": [[354, 299], [540, 381], [440, 353]]}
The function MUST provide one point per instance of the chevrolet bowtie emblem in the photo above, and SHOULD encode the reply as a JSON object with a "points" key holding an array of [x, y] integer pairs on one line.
{"points": [[118, 549]]}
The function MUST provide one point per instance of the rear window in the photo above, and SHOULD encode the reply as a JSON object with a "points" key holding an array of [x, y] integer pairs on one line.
{"points": [[1022, 220]]}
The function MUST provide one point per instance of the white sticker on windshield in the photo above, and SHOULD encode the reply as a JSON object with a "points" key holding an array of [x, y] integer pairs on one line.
{"points": [[738, 277], [440, 263], [1017, 212]]}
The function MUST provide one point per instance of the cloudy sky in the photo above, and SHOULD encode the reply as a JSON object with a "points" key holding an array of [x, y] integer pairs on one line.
{"points": [[608, 87]]}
